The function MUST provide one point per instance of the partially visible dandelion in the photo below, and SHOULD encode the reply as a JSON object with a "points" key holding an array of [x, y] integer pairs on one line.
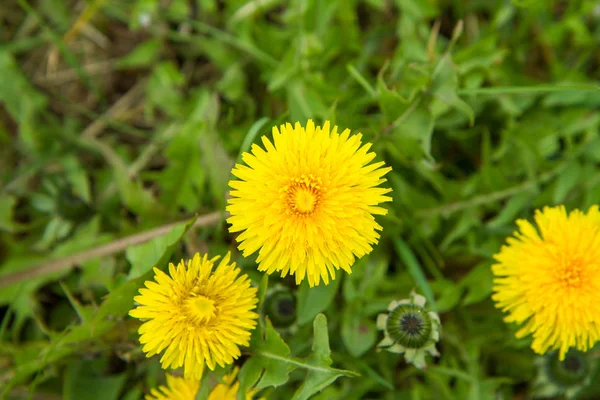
{"points": [[410, 329], [229, 388], [307, 202], [548, 279], [177, 388], [197, 315]]}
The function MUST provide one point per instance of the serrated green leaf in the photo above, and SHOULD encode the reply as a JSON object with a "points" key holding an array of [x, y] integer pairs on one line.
{"points": [[270, 364], [319, 375]]}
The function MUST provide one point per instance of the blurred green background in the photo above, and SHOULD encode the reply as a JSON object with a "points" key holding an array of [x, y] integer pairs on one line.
{"points": [[120, 121]]}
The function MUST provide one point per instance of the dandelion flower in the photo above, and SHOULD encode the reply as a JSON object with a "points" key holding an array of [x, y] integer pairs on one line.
{"points": [[548, 279], [307, 201], [229, 388], [197, 315], [177, 388], [410, 329]]}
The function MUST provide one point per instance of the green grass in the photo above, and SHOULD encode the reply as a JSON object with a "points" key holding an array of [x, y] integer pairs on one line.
{"points": [[120, 122]]}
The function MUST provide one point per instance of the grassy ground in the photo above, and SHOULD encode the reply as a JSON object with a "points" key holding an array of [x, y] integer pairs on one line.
{"points": [[119, 119]]}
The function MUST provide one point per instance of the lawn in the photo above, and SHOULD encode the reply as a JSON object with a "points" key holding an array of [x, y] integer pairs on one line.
{"points": [[121, 123]]}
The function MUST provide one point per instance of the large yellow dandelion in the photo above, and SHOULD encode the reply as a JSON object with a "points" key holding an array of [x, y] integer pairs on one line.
{"points": [[307, 201], [177, 388], [548, 279], [197, 315]]}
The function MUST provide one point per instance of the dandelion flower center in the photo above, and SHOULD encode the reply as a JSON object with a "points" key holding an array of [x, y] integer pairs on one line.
{"points": [[200, 309], [572, 274], [303, 194], [411, 324]]}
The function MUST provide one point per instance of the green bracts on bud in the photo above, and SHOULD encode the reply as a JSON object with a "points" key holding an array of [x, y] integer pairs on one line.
{"points": [[410, 329], [563, 378], [280, 306]]}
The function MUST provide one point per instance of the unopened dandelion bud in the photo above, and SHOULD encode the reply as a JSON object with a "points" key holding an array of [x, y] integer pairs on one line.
{"points": [[566, 378], [280, 306], [410, 329]]}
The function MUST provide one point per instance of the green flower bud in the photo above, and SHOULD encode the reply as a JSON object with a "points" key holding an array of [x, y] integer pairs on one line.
{"points": [[280, 306], [563, 378], [571, 371], [409, 325], [410, 329]]}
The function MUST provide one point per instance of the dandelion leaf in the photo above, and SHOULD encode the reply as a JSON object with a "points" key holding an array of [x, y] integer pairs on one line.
{"points": [[320, 374]]}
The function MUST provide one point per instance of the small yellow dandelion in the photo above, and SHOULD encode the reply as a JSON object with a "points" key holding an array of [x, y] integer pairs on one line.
{"points": [[307, 202], [197, 315], [549, 279], [229, 388], [177, 388]]}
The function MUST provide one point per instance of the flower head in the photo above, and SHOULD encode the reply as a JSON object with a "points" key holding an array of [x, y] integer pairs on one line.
{"points": [[197, 315], [307, 202], [548, 279], [410, 329], [177, 388], [229, 388]]}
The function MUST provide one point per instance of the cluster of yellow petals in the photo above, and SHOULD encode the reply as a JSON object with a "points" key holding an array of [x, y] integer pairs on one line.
{"points": [[198, 315], [306, 202], [228, 389], [179, 388], [548, 279]]}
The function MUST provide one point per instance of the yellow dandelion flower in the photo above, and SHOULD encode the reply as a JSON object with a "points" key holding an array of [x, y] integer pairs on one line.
{"points": [[229, 388], [548, 279], [307, 202], [177, 388], [197, 315]]}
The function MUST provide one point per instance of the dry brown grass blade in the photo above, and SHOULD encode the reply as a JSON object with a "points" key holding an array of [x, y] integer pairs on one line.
{"points": [[113, 247]]}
